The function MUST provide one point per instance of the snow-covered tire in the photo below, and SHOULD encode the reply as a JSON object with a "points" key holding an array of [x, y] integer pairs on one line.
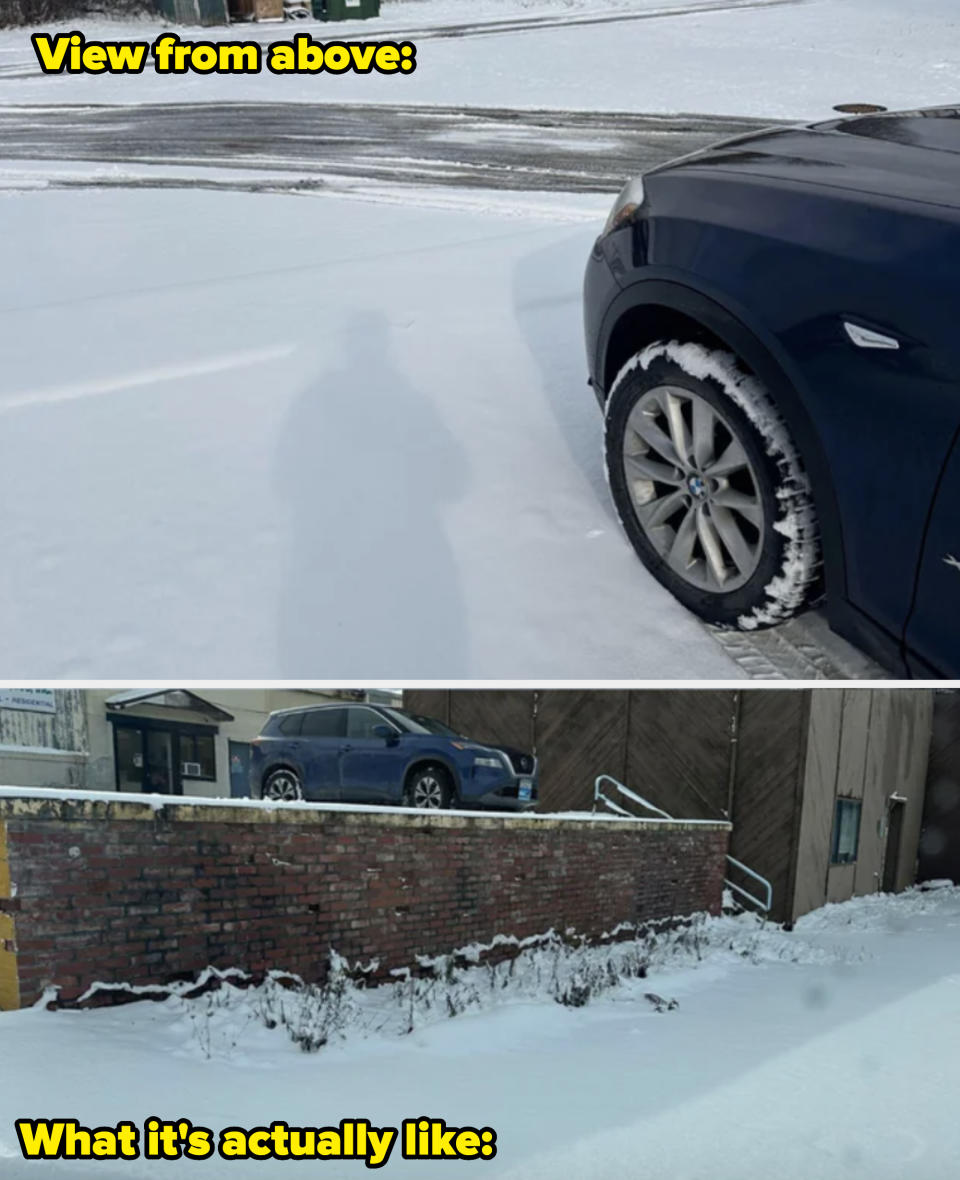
{"points": [[778, 548]]}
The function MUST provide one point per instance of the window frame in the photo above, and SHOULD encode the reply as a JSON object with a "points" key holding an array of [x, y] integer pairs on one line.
{"points": [[329, 737], [379, 719], [195, 737], [176, 729], [295, 715], [842, 806]]}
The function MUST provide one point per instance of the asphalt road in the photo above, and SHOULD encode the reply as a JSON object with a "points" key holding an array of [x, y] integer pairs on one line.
{"points": [[569, 151]]}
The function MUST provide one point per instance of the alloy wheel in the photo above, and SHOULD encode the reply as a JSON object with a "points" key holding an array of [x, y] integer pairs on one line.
{"points": [[283, 787], [693, 488], [428, 792]]}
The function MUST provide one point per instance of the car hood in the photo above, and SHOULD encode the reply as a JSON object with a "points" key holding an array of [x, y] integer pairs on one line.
{"points": [[912, 155]]}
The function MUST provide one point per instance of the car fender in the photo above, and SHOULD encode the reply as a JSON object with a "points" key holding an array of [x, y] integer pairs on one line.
{"points": [[432, 754], [761, 351]]}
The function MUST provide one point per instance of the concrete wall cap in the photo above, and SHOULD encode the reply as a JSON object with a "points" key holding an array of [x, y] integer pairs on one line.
{"points": [[67, 804]]}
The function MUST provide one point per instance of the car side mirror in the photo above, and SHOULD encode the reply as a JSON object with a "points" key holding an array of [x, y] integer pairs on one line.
{"points": [[387, 732]]}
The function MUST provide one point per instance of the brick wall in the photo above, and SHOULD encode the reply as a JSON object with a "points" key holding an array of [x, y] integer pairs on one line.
{"points": [[119, 892]]}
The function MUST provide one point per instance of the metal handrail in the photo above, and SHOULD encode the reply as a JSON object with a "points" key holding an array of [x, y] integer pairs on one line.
{"points": [[599, 797], [768, 888]]}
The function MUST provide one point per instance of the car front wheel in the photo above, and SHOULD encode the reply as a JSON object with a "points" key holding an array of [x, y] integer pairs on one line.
{"points": [[709, 486], [283, 786], [429, 789]]}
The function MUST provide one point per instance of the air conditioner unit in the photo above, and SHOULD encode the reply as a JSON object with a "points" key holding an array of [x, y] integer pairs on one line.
{"points": [[191, 769]]}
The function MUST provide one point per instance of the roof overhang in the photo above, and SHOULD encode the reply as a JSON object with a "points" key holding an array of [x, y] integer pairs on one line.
{"points": [[167, 698]]}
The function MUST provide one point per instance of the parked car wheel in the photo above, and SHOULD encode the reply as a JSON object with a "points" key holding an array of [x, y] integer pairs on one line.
{"points": [[709, 486], [429, 789], [283, 785]]}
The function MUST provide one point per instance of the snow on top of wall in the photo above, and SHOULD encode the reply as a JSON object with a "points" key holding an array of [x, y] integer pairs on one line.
{"points": [[159, 802]]}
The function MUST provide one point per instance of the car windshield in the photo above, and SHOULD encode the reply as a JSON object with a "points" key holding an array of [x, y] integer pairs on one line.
{"points": [[418, 723]]}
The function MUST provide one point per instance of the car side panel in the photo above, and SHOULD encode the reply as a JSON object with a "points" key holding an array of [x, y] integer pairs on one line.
{"points": [[802, 261], [372, 770], [933, 633], [316, 761]]}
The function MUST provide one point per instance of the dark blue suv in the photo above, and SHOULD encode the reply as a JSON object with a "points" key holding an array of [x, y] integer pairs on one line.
{"points": [[359, 753], [772, 333]]}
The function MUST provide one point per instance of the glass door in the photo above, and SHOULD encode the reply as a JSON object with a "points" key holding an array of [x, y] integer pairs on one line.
{"points": [[160, 779], [130, 776]]}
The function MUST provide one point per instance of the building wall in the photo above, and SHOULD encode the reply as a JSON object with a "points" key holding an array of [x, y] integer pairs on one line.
{"points": [[124, 892], [866, 745], [773, 761], [579, 734], [940, 836], [73, 747], [95, 770], [45, 749], [767, 781]]}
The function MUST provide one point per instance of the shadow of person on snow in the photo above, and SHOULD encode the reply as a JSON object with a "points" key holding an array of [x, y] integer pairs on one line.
{"points": [[367, 468]]}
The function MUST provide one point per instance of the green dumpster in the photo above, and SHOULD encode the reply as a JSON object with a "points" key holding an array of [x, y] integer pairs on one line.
{"points": [[345, 9]]}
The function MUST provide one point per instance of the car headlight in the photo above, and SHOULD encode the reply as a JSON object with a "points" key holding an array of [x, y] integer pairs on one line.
{"points": [[625, 206], [494, 763]]}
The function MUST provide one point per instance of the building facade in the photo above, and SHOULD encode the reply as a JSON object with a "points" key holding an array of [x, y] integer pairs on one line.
{"points": [[824, 787], [167, 741]]}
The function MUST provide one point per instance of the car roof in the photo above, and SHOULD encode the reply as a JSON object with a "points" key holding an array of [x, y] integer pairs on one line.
{"points": [[906, 155], [325, 705]]}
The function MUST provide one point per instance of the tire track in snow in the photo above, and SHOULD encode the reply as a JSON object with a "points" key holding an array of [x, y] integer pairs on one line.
{"points": [[462, 147]]}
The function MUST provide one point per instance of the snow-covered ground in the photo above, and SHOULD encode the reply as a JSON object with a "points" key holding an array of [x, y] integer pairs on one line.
{"points": [[351, 438], [832, 1053], [786, 60], [266, 436]]}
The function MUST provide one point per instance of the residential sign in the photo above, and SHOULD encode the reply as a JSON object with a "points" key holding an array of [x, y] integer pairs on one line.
{"points": [[28, 700]]}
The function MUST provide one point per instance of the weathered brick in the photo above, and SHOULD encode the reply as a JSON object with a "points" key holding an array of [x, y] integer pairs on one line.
{"points": [[158, 898]]}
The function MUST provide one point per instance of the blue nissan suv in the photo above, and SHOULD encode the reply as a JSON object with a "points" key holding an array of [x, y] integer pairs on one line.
{"points": [[359, 753]]}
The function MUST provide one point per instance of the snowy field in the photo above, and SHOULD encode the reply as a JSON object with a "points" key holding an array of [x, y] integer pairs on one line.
{"points": [[832, 1053], [786, 60], [268, 436]]}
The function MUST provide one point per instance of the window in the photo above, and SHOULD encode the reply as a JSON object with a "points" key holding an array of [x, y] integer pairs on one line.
{"points": [[158, 757], [290, 725], [362, 722], [846, 832], [331, 723], [417, 723], [197, 758]]}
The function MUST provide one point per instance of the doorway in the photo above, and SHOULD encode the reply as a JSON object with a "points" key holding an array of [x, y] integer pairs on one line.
{"points": [[891, 856], [239, 753], [161, 758]]}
